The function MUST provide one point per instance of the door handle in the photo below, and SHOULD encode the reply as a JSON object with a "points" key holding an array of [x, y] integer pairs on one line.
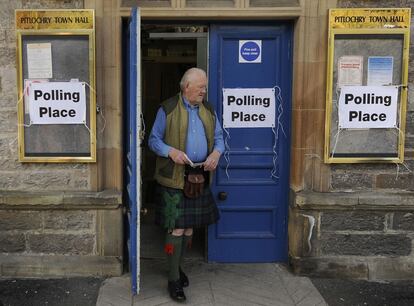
{"points": [[222, 196]]}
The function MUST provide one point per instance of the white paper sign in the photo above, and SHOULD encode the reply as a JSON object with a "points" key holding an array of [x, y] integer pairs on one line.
{"points": [[39, 61], [380, 70], [362, 107], [57, 103], [350, 70], [248, 107]]}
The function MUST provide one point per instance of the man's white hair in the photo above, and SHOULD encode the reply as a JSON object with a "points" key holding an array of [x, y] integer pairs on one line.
{"points": [[189, 74]]}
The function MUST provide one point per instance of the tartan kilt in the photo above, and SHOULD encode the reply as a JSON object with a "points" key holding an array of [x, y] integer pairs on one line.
{"points": [[174, 210]]}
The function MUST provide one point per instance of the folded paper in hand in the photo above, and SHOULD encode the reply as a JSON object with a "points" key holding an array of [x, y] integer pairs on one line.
{"points": [[194, 165]]}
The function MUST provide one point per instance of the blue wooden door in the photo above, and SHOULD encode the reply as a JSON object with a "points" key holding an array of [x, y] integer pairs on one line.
{"points": [[132, 146], [251, 184]]}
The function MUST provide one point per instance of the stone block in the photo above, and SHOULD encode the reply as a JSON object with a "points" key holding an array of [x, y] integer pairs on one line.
{"points": [[107, 197], [327, 267], [403, 221], [409, 127], [365, 245], [362, 167], [410, 102], [386, 199], [356, 221], [403, 181], [7, 55], [368, 3], [8, 120], [11, 164], [67, 200], [35, 180], [306, 199], [68, 220], [6, 144], [10, 36], [81, 183], [397, 268], [8, 86], [59, 265], [351, 180], [12, 243], [20, 220], [61, 244], [52, 4], [39, 199], [296, 233], [110, 234]]}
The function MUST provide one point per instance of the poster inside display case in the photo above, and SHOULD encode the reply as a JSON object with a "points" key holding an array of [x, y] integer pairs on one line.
{"points": [[56, 81], [367, 79]]}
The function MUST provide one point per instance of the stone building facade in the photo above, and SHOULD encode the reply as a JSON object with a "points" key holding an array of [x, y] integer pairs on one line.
{"points": [[54, 219], [363, 216], [353, 220]]}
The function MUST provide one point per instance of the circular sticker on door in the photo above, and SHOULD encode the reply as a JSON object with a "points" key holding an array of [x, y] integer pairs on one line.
{"points": [[250, 51]]}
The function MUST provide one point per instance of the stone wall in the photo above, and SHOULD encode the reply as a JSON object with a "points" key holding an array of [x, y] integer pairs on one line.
{"points": [[60, 233], [359, 235], [48, 232], [382, 176], [13, 174]]}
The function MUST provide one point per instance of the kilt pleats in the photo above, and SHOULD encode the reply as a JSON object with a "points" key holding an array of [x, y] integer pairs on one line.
{"points": [[174, 210]]}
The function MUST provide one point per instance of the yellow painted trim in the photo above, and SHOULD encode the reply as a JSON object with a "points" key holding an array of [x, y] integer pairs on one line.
{"points": [[20, 104], [329, 80], [384, 18], [92, 94], [54, 13], [403, 97]]}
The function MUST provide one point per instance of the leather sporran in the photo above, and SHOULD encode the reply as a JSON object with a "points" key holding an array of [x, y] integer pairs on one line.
{"points": [[194, 185]]}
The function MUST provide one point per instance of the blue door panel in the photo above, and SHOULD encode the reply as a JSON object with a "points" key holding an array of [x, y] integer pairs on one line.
{"points": [[131, 147], [255, 173]]}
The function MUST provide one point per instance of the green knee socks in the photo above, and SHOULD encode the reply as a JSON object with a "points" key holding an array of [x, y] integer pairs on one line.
{"points": [[173, 248], [186, 245]]}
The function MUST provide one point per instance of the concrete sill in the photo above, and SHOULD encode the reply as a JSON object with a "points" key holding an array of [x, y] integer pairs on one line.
{"points": [[107, 199], [375, 200]]}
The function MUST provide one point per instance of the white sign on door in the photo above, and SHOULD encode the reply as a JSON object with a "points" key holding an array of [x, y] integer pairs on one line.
{"points": [[57, 103], [362, 107], [248, 107]]}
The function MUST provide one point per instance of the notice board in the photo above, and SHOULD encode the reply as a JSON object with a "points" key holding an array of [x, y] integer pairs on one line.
{"points": [[367, 77], [56, 65]]}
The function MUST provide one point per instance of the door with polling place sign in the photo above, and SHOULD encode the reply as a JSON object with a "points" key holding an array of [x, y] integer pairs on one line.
{"points": [[249, 84]]}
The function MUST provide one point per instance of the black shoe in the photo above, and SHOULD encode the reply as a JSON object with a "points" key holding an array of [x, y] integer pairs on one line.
{"points": [[176, 291], [183, 278]]}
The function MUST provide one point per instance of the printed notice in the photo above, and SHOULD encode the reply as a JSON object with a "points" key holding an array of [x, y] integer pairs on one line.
{"points": [[27, 84], [362, 107], [248, 107], [350, 70], [57, 103], [39, 61], [380, 70]]}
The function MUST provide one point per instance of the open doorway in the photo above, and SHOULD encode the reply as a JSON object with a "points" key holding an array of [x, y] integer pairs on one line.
{"points": [[167, 51]]}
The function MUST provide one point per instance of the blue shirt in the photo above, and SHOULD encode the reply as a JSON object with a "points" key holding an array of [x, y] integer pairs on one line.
{"points": [[196, 144]]}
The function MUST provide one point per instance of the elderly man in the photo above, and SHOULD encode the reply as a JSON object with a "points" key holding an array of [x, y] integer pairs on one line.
{"points": [[188, 141]]}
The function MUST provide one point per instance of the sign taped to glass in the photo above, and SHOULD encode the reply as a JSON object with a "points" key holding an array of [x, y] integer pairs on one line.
{"points": [[362, 107], [57, 103]]}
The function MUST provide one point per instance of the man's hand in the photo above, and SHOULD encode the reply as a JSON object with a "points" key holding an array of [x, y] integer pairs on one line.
{"points": [[178, 156], [212, 161]]}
